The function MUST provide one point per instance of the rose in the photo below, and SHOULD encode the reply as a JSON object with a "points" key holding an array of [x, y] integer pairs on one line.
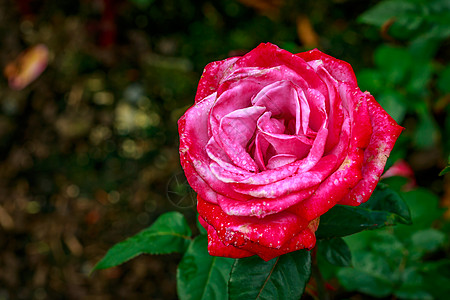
{"points": [[274, 141]]}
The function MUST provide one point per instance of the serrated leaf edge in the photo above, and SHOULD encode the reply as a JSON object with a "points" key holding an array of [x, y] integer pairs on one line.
{"points": [[151, 234]]}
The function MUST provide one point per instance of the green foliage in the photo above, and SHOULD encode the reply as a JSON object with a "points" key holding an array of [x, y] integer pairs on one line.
{"points": [[400, 83], [202, 276], [393, 260], [403, 75], [335, 251], [436, 277], [370, 275], [445, 170], [411, 18], [384, 208], [444, 80], [283, 277], [170, 233]]}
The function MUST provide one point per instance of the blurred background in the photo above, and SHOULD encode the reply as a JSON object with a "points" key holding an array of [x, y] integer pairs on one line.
{"points": [[90, 95]]}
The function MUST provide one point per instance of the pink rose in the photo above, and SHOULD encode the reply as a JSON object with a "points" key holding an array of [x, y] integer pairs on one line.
{"points": [[273, 141]]}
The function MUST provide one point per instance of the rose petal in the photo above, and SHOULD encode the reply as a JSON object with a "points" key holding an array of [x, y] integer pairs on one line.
{"points": [[280, 160], [356, 103], [269, 56], [296, 145], [339, 69], [271, 176], [318, 117], [236, 129], [217, 248], [211, 76], [282, 100], [385, 133], [194, 159], [293, 183], [271, 231], [332, 189], [306, 239], [334, 108], [257, 207]]}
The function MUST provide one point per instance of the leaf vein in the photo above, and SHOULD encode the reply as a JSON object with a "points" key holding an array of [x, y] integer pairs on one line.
{"points": [[268, 277]]}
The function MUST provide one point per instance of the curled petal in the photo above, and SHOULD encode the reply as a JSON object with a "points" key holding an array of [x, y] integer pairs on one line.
{"points": [[269, 56], [291, 184], [235, 131], [261, 207], [339, 69]]}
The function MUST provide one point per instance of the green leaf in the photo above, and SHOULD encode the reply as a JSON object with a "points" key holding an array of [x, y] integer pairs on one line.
{"points": [[426, 133], [428, 240], [394, 103], [384, 208], [388, 200], [419, 77], [371, 275], [386, 10], [202, 276], [393, 62], [412, 286], [443, 82], [335, 251], [327, 270], [436, 277], [283, 277], [371, 80], [424, 206], [411, 18], [388, 245], [169, 233], [445, 170]]}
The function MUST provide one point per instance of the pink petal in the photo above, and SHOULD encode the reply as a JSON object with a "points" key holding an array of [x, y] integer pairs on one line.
{"points": [[236, 129], [282, 100], [271, 231], [355, 102], [318, 116], [271, 176], [217, 248], [219, 156], [339, 69], [385, 133], [296, 145], [293, 183], [211, 76], [333, 188], [260, 207], [269, 55], [306, 239], [194, 159], [270, 125], [280, 160], [334, 108], [261, 146]]}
